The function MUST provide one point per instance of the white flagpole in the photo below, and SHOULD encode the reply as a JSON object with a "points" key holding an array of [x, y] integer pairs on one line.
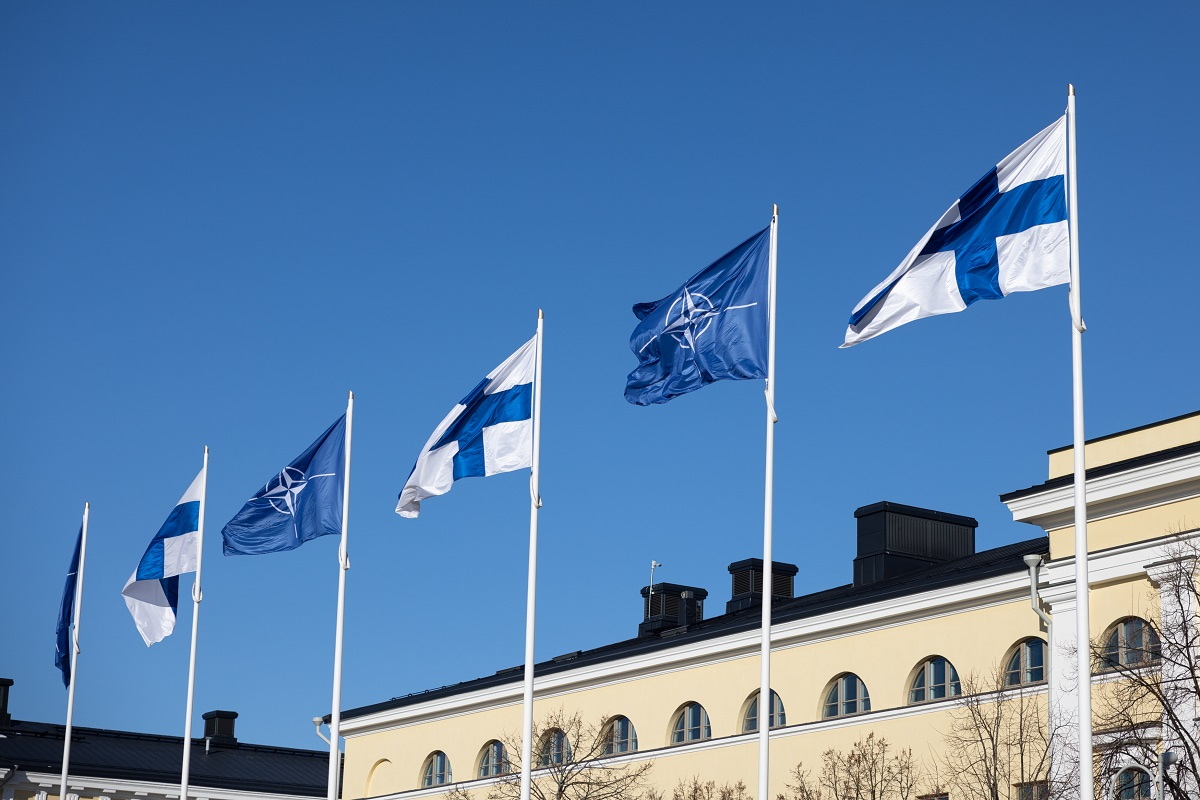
{"points": [[197, 596], [335, 718], [1082, 594], [764, 693], [535, 502], [74, 656]]}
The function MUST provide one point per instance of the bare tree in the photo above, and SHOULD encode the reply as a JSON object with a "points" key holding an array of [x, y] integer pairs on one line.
{"points": [[999, 740], [1152, 700], [696, 789], [572, 760], [870, 770]]}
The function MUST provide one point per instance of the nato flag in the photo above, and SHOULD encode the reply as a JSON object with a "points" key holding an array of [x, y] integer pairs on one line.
{"points": [[302, 502], [66, 616], [712, 328]]}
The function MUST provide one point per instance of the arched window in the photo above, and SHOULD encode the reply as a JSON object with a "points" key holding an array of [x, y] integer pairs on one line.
{"points": [[936, 679], [1132, 784], [847, 695], [690, 724], [619, 736], [554, 749], [750, 718], [436, 770], [1131, 642], [493, 760], [1026, 664]]}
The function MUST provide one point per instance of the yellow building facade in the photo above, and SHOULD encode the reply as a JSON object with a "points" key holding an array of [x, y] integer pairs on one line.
{"points": [[927, 621]]}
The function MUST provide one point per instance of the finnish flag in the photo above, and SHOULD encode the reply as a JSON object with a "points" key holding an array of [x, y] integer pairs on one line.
{"points": [[1007, 234], [490, 431], [152, 591]]}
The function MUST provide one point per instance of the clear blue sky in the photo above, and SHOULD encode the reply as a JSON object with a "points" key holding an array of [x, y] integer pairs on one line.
{"points": [[215, 219]]}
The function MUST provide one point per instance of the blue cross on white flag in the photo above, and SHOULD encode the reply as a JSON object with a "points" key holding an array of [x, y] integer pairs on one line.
{"points": [[152, 591], [490, 431], [712, 328], [302, 502], [1007, 234]]}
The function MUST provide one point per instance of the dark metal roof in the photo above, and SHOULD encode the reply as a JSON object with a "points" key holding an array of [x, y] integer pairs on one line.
{"points": [[999, 561], [120, 755], [1106, 469]]}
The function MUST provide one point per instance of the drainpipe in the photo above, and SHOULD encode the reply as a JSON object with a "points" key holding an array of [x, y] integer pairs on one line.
{"points": [[1035, 601]]}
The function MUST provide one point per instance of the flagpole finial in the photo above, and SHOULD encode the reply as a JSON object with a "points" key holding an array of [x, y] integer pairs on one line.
{"points": [[540, 314], [774, 209], [1070, 90], [351, 394]]}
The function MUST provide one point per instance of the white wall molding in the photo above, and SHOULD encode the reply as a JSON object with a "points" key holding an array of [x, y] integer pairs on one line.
{"points": [[1112, 495]]}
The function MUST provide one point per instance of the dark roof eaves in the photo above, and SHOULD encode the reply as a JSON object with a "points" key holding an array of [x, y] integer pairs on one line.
{"points": [[91, 759]]}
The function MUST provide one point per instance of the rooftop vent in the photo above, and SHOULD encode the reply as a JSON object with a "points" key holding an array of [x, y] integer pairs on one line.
{"points": [[670, 605], [218, 726], [5, 717], [895, 539], [748, 583]]}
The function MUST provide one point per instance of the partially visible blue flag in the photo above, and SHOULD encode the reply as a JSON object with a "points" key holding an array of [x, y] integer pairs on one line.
{"points": [[302, 502], [66, 616], [152, 591], [713, 328]]}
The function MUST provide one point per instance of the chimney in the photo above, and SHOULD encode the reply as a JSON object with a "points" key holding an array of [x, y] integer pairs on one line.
{"points": [[895, 539], [5, 717], [670, 605], [748, 579], [218, 726]]}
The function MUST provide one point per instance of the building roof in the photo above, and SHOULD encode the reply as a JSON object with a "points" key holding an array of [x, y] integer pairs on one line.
{"points": [[121, 755], [1114, 468], [978, 566]]}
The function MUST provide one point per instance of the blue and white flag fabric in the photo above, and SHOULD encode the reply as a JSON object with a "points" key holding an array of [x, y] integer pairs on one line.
{"points": [[302, 502], [1007, 234], [66, 616], [490, 431], [712, 328], [152, 591]]}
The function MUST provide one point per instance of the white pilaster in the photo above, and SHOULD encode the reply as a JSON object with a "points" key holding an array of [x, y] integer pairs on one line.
{"points": [[1177, 607], [1063, 679]]}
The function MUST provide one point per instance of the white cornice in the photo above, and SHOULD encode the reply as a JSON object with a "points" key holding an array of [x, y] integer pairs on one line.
{"points": [[842, 622], [1111, 495]]}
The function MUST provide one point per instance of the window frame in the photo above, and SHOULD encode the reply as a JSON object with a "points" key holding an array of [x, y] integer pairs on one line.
{"points": [[1124, 787], [493, 760], [615, 744], [1020, 654], [925, 673], [1116, 640], [682, 727], [554, 749], [778, 716], [1033, 790], [837, 690], [430, 771]]}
